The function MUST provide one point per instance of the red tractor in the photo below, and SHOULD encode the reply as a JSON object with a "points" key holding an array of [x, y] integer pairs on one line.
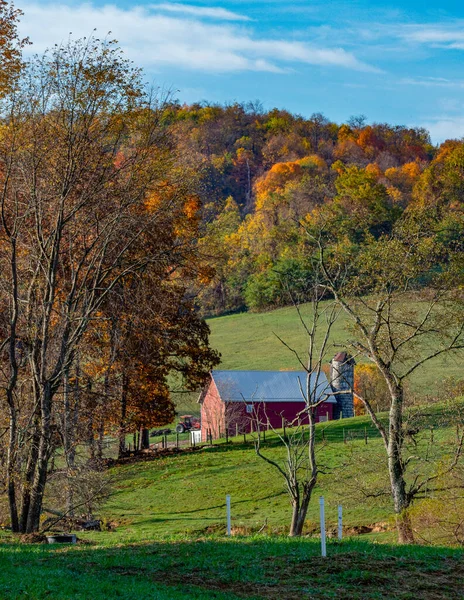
{"points": [[187, 423]]}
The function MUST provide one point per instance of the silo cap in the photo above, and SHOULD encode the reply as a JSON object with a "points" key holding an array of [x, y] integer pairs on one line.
{"points": [[343, 357]]}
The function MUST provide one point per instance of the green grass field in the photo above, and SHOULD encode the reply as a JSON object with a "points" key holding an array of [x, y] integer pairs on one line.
{"points": [[252, 568], [249, 341], [167, 531], [164, 531]]}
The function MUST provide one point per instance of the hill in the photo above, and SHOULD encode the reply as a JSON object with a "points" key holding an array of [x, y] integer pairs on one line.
{"points": [[166, 535], [249, 341]]}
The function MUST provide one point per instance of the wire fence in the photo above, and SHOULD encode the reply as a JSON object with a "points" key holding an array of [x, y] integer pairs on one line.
{"points": [[197, 438]]}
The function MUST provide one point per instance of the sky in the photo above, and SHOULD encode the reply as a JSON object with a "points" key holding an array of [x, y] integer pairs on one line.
{"points": [[395, 62]]}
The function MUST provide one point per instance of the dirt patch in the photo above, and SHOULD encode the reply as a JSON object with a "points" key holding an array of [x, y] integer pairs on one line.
{"points": [[33, 538], [346, 576], [131, 571]]}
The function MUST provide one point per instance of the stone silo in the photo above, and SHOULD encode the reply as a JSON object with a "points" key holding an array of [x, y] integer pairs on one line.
{"points": [[342, 381]]}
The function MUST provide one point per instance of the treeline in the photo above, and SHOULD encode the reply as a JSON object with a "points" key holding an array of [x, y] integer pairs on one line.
{"points": [[263, 177]]}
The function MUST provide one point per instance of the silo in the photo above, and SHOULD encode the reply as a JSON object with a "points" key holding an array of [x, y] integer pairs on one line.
{"points": [[342, 381]]}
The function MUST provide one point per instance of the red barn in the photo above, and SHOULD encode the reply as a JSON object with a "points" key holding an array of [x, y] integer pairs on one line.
{"points": [[234, 400]]}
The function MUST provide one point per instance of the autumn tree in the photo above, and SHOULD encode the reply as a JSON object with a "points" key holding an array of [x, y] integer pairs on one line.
{"points": [[11, 46], [82, 148]]}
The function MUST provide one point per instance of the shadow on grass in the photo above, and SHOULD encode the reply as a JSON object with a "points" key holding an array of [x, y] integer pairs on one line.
{"points": [[212, 567]]}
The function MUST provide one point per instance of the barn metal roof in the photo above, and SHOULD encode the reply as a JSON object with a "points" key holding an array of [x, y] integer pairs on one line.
{"points": [[270, 386]]}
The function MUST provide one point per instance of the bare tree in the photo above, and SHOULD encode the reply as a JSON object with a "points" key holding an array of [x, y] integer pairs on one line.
{"points": [[300, 467], [400, 327]]}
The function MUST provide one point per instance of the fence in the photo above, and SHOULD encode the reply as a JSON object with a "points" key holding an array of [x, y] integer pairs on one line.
{"points": [[347, 434]]}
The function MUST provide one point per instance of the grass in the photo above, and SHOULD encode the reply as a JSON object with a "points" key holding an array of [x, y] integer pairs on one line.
{"points": [[248, 341], [253, 568], [167, 533], [185, 494]]}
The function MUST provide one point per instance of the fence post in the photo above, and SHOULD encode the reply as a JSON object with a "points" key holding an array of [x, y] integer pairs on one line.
{"points": [[340, 522], [268, 425], [236, 429], [244, 438], [323, 435], [177, 440], [283, 427], [341, 414], [344, 436], [228, 514], [322, 518]]}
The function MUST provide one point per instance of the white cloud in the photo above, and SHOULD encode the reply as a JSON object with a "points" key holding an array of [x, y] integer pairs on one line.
{"points": [[445, 128], [221, 14], [448, 35], [433, 82], [154, 40]]}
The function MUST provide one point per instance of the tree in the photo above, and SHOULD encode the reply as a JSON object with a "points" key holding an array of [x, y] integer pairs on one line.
{"points": [[85, 207], [10, 46], [369, 383], [300, 469], [399, 326]]}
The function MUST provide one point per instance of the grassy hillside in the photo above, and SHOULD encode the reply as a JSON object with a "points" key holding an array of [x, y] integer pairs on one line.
{"points": [[167, 531], [248, 341], [185, 494]]}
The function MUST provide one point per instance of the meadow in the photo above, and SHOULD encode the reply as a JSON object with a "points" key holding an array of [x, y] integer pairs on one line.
{"points": [[164, 531], [251, 341], [164, 524], [253, 568]]}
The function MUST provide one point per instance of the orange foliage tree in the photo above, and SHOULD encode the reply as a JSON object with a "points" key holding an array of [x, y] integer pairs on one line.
{"points": [[82, 148], [369, 383]]}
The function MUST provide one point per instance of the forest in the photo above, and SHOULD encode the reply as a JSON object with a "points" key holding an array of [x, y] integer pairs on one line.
{"points": [[265, 176]]}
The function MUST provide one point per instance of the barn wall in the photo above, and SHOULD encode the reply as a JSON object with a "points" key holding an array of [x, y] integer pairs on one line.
{"points": [[212, 413], [237, 414], [216, 414]]}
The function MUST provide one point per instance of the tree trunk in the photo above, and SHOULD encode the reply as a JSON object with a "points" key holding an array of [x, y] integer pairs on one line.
{"points": [[145, 439], [68, 441], [122, 425], [296, 525], [401, 500], [101, 432], [29, 476], [40, 477], [404, 527], [10, 472]]}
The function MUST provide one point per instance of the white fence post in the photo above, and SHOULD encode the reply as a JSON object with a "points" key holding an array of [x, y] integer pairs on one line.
{"points": [[323, 540], [340, 522], [228, 513]]}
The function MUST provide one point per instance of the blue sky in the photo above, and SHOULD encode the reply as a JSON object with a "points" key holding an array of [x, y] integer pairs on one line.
{"points": [[394, 62]]}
